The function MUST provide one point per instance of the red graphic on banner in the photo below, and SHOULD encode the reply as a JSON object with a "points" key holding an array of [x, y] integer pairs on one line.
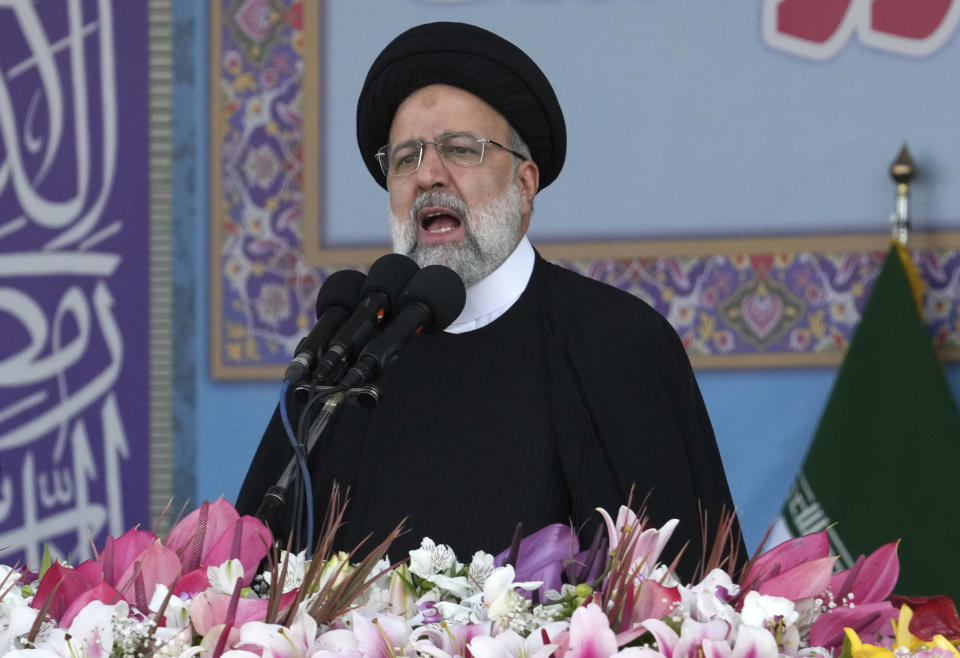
{"points": [[908, 18], [811, 20], [819, 29]]}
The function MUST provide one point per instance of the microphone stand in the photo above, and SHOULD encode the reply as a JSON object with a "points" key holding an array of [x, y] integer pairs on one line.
{"points": [[275, 500]]}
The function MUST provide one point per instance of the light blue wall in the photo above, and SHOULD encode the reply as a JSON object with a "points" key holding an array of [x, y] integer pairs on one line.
{"points": [[681, 122]]}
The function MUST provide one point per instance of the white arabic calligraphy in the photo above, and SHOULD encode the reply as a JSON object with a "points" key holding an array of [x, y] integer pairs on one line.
{"points": [[73, 214], [58, 408]]}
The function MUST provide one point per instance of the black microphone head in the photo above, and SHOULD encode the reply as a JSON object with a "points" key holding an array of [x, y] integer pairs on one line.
{"points": [[389, 275], [342, 288], [441, 290]]}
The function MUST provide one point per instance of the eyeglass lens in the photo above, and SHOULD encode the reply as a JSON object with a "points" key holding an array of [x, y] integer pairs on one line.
{"points": [[461, 149]]}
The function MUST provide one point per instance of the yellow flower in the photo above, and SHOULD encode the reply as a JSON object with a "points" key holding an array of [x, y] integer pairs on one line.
{"points": [[860, 650], [905, 641]]}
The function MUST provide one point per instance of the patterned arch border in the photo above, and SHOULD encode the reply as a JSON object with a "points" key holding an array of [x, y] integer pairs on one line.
{"points": [[736, 303]]}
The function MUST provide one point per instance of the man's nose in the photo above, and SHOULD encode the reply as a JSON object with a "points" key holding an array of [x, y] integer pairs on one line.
{"points": [[433, 170]]}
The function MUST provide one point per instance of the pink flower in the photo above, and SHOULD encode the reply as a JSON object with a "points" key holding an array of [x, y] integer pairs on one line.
{"points": [[692, 639], [590, 635], [860, 593], [379, 638], [654, 600], [213, 534], [209, 609], [752, 642], [797, 569], [646, 547]]}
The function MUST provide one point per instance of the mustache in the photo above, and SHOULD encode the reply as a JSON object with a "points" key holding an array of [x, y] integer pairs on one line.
{"points": [[441, 199]]}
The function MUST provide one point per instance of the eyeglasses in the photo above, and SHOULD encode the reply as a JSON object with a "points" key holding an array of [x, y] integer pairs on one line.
{"points": [[461, 149]]}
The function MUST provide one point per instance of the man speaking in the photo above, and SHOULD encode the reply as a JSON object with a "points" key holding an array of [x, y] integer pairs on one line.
{"points": [[551, 394]]}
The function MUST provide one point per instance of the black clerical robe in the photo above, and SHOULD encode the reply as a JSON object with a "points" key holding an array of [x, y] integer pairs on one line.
{"points": [[577, 392]]}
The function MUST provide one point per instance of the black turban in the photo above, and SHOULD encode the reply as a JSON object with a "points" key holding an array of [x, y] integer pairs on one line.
{"points": [[473, 59]]}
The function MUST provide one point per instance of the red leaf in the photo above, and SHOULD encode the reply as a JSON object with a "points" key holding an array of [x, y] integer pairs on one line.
{"points": [[72, 585], [932, 615]]}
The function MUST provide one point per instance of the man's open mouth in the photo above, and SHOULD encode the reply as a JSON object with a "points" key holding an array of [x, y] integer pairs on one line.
{"points": [[438, 220]]}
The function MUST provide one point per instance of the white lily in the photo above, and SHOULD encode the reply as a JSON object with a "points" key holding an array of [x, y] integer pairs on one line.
{"points": [[15, 622], [762, 610], [500, 597], [701, 602], [91, 633]]}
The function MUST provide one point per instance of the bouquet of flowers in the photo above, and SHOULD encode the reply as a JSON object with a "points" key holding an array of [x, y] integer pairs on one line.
{"points": [[198, 593]]}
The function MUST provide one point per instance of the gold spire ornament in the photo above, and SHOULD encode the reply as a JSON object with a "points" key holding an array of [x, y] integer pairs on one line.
{"points": [[902, 172]]}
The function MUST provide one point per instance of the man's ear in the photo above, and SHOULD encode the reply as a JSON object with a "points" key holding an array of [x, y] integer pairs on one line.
{"points": [[528, 177]]}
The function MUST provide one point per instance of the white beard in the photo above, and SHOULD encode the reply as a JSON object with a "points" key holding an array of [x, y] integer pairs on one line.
{"points": [[492, 231]]}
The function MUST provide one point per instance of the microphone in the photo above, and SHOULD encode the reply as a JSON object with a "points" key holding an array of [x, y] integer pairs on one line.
{"points": [[378, 299], [430, 302], [337, 297]]}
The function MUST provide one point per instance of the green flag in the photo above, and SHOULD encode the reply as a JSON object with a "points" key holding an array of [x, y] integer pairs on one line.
{"points": [[885, 459]]}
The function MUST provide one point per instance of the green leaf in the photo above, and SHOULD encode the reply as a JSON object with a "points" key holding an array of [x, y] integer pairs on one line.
{"points": [[847, 649], [46, 561]]}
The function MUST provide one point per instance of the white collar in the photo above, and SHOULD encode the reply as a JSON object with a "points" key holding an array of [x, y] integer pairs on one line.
{"points": [[493, 295]]}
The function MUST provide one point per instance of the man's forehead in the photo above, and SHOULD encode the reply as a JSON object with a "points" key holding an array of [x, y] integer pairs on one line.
{"points": [[442, 109]]}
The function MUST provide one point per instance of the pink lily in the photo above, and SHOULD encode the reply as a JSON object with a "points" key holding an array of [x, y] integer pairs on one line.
{"points": [[752, 642], [647, 546], [209, 609], [453, 640], [339, 643], [590, 635], [378, 638], [280, 641], [692, 636], [508, 644]]}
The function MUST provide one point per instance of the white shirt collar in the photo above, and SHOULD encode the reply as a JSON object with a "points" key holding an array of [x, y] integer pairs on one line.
{"points": [[493, 295]]}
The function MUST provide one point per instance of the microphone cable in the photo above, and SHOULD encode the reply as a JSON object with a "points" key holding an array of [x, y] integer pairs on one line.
{"points": [[305, 481]]}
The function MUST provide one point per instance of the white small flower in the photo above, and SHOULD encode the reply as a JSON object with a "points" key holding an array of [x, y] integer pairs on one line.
{"points": [[224, 578], [297, 564], [480, 568], [431, 558]]}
